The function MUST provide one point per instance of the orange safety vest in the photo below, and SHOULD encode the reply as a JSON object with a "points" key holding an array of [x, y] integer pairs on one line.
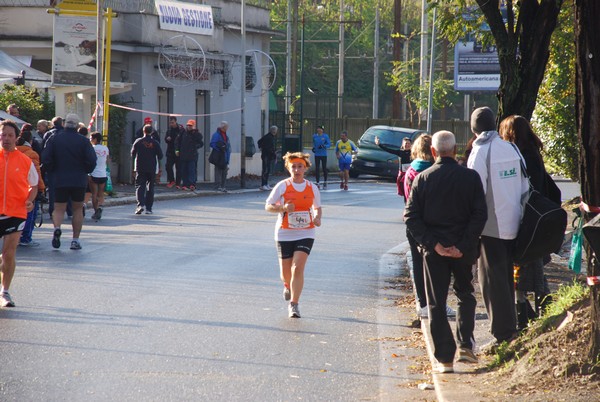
{"points": [[301, 218], [14, 186]]}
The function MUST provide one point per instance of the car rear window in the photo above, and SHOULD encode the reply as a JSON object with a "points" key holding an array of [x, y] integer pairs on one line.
{"points": [[386, 137]]}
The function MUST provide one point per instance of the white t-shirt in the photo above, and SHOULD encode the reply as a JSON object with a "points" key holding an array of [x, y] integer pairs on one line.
{"points": [[102, 156], [276, 198]]}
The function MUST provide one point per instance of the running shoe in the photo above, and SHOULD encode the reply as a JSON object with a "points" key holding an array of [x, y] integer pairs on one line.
{"points": [[294, 310], [185, 188], [443, 368], [450, 312], [29, 243], [345, 187], [324, 186], [139, 210], [56, 238], [6, 300], [99, 213], [192, 188], [170, 184], [148, 212], [287, 294], [75, 245], [178, 187], [466, 355]]}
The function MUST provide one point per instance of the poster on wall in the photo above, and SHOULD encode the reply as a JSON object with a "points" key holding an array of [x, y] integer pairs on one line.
{"points": [[74, 51], [476, 67]]}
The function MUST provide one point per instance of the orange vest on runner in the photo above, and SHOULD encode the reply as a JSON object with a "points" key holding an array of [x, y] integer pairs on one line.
{"points": [[301, 218], [14, 186]]}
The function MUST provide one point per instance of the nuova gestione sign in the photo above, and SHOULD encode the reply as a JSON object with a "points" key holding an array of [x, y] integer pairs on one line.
{"points": [[185, 17]]}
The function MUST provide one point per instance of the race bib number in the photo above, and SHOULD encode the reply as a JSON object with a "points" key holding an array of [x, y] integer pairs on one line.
{"points": [[299, 220]]}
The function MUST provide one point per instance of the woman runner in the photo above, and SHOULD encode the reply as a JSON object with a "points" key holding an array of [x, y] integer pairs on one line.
{"points": [[298, 205]]}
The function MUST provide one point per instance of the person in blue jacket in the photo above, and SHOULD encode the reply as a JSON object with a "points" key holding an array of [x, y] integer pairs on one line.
{"points": [[219, 142], [320, 144]]}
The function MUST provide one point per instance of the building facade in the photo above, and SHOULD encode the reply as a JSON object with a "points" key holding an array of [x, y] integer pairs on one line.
{"points": [[164, 62]]}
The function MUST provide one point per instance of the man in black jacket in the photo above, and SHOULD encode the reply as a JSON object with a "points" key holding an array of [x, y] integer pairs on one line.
{"points": [[175, 129], [146, 152], [446, 213], [267, 148], [186, 149], [140, 133]]}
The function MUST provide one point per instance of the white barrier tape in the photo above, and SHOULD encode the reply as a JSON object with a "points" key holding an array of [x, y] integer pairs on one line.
{"points": [[173, 114]]}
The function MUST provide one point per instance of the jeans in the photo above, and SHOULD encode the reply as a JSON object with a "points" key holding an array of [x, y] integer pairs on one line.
{"points": [[188, 173], [322, 160], [267, 167], [173, 161], [29, 224]]}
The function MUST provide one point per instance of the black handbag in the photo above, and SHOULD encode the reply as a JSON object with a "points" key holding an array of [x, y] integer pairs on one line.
{"points": [[217, 158], [542, 228]]}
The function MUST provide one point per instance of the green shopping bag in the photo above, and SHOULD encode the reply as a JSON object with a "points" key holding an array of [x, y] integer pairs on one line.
{"points": [[576, 249], [109, 187]]}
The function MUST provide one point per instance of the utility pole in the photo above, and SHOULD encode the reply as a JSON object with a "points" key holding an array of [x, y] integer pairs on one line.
{"points": [[341, 64], [397, 40], [431, 70], [423, 68], [99, 66], [292, 72], [288, 60], [243, 100], [376, 64]]}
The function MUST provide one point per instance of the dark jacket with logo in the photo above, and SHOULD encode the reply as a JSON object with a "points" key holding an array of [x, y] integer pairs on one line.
{"points": [[447, 206], [146, 152]]}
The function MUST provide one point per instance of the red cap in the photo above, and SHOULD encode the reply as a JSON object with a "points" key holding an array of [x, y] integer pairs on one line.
{"points": [[191, 122], [148, 120]]}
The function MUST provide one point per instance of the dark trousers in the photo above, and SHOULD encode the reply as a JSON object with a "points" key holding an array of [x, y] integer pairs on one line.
{"points": [[173, 161], [321, 160], [417, 270], [144, 189], [188, 173], [496, 278], [30, 223], [438, 272], [267, 166]]}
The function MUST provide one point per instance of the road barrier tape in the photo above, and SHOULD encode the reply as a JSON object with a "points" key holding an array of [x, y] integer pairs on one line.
{"points": [[173, 114], [593, 280]]}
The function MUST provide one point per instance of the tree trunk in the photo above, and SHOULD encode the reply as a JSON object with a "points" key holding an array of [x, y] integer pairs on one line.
{"points": [[587, 41], [523, 51]]}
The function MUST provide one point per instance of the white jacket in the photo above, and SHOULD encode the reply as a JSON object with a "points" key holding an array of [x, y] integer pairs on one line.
{"points": [[503, 182]]}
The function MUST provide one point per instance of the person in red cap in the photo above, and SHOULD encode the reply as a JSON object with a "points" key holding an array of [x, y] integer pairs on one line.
{"points": [[186, 148], [140, 133]]}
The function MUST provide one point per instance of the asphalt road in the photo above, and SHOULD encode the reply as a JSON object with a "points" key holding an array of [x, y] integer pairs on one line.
{"points": [[186, 304]]}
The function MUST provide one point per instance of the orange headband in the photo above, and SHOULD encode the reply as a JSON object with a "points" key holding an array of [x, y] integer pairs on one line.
{"points": [[298, 160]]}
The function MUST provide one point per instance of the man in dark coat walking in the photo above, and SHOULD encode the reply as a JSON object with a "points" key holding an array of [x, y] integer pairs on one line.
{"points": [[146, 153]]}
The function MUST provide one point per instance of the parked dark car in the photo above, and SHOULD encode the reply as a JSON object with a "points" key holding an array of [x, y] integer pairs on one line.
{"points": [[371, 159]]}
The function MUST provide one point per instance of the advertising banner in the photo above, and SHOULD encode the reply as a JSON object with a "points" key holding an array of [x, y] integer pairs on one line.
{"points": [[185, 17], [74, 51], [476, 67]]}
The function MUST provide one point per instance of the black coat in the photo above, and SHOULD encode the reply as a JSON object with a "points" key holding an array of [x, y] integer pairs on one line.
{"points": [[267, 146], [188, 144], [146, 152], [447, 206]]}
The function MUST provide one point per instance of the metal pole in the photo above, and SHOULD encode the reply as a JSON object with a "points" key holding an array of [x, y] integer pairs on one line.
{"points": [[431, 68], [423, 67], [341, 64], [99, 64], [288, 61], [376, 65], [243, 101], [301, 83], [107, 72]]}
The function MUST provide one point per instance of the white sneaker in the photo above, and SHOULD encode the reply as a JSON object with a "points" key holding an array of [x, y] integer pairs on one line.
{"points": [[424, 312], [444, 368], [450, 312], [269, 188]]}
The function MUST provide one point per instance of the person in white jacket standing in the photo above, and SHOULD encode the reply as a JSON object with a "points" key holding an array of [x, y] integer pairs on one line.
{"points": [[499, 166]]}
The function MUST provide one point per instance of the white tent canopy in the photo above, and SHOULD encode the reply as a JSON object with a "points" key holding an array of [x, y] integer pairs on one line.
{"points": [[11, 68]]}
